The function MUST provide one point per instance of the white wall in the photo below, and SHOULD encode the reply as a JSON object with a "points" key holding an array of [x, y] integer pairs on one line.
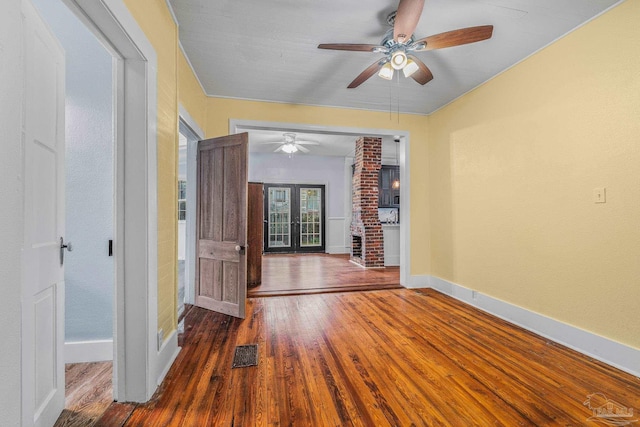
{"points": [[305, 169], [11, 226], [89, 177]]}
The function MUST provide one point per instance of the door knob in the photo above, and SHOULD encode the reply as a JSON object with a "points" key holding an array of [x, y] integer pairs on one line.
{"points": [[240, 249], [68, 246]]}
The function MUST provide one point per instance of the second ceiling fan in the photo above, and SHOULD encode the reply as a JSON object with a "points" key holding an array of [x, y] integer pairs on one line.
{"points": [[290, 144], [398, 44]]}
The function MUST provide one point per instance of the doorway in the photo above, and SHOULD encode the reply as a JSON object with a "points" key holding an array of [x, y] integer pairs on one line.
{"points": [[89, 212], [327, 160], [294, 218], [186, 136], [337, 177], [137, 370], [189, 135]]}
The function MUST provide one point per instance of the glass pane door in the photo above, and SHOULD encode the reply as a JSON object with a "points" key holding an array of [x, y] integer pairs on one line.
{"points": [[294, 218], [279, 218], [310, 217]]}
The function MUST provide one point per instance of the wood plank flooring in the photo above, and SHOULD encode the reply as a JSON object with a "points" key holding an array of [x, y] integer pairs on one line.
{"points": [[298, 274], [398, 358], [88, 393]]}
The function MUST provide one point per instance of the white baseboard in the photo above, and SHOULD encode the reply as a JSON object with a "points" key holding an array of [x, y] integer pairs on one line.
{"points": [[392, 261], [88, 351], [417, 282], [338, 249], [608, 351], [166, 356]]}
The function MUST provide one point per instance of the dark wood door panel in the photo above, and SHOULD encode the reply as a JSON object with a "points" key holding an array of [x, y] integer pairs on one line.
{"points": [[255, 223]]}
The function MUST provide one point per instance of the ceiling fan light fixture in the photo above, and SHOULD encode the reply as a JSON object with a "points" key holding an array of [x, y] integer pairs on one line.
{"points": [[289, 148], [289, 138], [410, 68], [398, 60], [386, 72]]}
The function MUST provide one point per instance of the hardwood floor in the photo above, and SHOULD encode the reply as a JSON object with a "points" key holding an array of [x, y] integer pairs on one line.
{"points": [[88, 393], [399, 358], [297, 274]]}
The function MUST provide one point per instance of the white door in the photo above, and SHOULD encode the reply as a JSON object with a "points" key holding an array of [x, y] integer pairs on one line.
{"points": [[43, 186]]}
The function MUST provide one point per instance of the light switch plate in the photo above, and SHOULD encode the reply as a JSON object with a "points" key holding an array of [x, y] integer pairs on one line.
{"points": [[600, 195]]}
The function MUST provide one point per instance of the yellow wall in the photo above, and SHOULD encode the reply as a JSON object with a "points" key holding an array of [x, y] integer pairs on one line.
{"points": [[174, 75], [191, 96], [513, 167], [220, 110]]}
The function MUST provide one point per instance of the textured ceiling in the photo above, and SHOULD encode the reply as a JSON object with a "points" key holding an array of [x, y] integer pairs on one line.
{"points": [[267, 50]]}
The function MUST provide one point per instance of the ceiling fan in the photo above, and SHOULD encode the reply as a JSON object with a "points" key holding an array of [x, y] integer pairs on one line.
{"points": [[289, 144], [398, 44]]}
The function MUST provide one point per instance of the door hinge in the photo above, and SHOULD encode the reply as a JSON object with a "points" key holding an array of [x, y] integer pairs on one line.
{"points": [[110, 247]]}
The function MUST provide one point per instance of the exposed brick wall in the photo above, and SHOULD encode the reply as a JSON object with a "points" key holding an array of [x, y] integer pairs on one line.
{"points": [[368, 244]]}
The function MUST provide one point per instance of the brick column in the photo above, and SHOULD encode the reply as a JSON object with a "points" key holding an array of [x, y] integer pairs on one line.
{"points": [[366, 230]]}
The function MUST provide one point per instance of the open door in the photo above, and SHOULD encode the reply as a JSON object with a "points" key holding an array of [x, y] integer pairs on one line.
{"points": [[221, 224], [43, 248]]}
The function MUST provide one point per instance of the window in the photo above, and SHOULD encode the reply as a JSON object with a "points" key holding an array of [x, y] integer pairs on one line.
{"points": [[182, 200]]}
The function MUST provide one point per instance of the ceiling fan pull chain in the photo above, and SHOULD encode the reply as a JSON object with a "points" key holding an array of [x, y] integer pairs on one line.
{"points": [[398, 92], [391, 100]]}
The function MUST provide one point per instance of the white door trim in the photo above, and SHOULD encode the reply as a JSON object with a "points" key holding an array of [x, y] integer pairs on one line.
{"points": [[236, 125], [190, 241], [136, 358]]}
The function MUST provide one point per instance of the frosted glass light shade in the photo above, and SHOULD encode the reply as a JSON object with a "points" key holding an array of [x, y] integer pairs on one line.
{"points": [[386, 72], [289, 148], [410, 68]]}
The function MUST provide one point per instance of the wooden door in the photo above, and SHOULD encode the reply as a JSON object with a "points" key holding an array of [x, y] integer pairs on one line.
{"points": [[221, 265], [43, 195], [255, 223]]}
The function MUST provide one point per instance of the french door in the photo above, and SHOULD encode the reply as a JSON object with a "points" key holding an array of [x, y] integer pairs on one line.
{"points": [[294, 218]]}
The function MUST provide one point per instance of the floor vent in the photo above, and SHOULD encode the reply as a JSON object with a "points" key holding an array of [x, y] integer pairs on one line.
{"points": [[246, 355]]}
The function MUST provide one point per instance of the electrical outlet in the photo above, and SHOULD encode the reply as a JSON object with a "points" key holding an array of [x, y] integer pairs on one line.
{"points": [[160, 338], [600, 195]]}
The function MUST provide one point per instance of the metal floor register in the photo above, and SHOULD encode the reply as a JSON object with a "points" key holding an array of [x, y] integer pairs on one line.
{"points": [[245, 355]]}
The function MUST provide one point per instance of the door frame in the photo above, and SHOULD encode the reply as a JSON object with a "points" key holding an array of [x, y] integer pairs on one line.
{"points": [[192, 167], [294, 229], [406, 280], [138, 365]]}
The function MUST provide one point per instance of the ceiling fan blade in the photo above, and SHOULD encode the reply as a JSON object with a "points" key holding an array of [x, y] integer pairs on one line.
{"points": [[303, 142], [407, 18], [277, 150], [271, 142], [370, 71], [423, 75], [457, 37], [350, 46], [303, 149]]}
